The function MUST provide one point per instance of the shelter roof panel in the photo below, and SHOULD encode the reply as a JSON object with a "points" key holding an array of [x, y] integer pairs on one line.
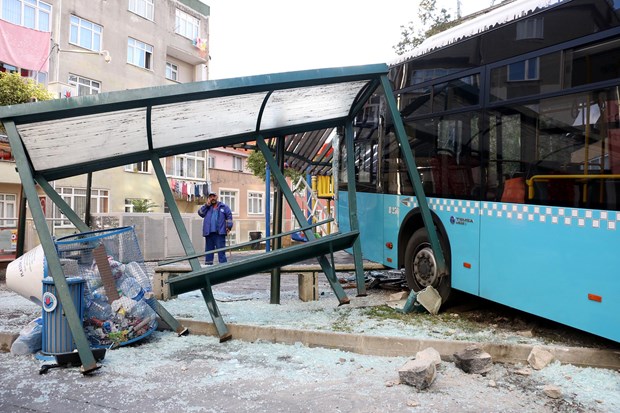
{"points": [[204, 120], [84, 139], [67, 137]]}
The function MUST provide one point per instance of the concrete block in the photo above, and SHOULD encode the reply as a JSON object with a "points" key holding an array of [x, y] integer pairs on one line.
{"points": [[539, 358], [419, 373], [161, 288], [430, 299], [308, 286], [473, 360]]}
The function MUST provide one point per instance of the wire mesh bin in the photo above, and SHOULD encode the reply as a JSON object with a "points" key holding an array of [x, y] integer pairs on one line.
{"points": [[57, 337], [115, 284]]}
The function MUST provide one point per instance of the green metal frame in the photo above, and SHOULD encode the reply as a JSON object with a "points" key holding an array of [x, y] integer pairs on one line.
{"points": [[412, 170], [299, 215], [49, 248], [57, 110]]}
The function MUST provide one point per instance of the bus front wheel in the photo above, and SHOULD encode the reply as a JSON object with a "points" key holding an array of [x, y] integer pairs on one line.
{"points": [[421, 265]]}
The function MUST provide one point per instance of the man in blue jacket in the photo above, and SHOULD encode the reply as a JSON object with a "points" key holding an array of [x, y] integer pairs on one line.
{"points": [[217, 223]]}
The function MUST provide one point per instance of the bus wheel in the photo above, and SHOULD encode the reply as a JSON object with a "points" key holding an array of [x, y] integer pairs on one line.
{"points": [[421, 267]]}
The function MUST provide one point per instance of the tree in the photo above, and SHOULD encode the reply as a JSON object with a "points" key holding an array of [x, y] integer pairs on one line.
{"points": [[432, 21], [142, 205], [256, 164], [15, 89]]}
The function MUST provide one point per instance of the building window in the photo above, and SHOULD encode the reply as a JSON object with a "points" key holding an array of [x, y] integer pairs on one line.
{"points": [[530, 28], [523, 70], [84, 85], [255, 203], [237, 163], [33, 14], [172, 71], [189, 165], [85, 34], [144, 8], [211, 162], [229, 198], [138, 167], [186, 25], [8, 210], [76, 199], [38, 77], [139, 54]]}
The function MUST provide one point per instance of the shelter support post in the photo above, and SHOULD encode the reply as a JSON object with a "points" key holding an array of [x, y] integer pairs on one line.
{"points": [[275, 273], [87, 358], [207, 293], [412, 170], [357, 246], [299, 215]]}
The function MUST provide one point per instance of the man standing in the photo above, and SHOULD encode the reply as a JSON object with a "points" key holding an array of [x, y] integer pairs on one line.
{"points": [[217, 223]]}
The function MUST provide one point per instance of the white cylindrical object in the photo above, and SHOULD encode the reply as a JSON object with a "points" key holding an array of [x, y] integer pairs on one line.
{"points": [[25, 274]]}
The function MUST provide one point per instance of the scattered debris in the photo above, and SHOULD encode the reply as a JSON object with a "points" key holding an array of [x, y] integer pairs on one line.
{"points": [[539, 358], [552, 391], [526, 371], [430, 299], [421, 371], [473, 360]]}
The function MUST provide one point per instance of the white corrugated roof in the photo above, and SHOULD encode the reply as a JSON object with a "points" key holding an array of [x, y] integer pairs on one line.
{"points": [[479, 24]]}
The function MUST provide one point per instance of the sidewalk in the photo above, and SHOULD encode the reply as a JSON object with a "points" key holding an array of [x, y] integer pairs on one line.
{"points": [[274, 364]]}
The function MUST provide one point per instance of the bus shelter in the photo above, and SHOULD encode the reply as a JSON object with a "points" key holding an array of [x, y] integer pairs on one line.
{"points": [[62, 138]]}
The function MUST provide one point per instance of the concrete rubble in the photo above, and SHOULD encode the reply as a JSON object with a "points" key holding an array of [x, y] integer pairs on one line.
{"points": [[473, 360]]}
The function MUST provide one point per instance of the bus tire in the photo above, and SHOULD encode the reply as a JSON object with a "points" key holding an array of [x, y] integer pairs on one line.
{"points": [[421, 268]]}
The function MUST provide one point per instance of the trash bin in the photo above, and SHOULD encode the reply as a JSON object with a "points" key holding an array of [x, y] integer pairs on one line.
{"points": [[254, 236], [116, 287], [57, 337]]}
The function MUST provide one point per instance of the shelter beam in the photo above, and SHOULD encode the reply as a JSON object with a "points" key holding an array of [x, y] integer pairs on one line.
{"points": [[87, 358], [218, 321], [299, 215], [412, 170]]}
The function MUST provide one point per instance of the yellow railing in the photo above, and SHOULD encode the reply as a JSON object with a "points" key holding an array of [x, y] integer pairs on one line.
{"points": [[544, 178]]}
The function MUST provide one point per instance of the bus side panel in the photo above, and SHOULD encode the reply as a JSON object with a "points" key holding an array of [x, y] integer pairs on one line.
{"points": [[558, 263], [370, 218], [462, 224]]}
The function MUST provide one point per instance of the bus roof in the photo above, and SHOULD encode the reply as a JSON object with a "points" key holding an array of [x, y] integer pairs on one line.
{"points": [[480, 22], [67, 137]]}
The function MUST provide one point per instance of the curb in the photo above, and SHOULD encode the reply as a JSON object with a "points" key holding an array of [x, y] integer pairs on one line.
{"points": [[406, 347], [389, 346]]}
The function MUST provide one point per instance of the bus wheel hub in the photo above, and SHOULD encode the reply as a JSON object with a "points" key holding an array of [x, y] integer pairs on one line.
{"points": [[425, 267]]}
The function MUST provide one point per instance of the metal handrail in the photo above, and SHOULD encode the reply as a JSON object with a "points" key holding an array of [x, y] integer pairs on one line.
{"points": [[530, 181], [245, 244]]}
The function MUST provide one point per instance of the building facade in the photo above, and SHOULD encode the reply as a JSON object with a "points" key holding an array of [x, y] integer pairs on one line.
{"points": [[99, 46]]}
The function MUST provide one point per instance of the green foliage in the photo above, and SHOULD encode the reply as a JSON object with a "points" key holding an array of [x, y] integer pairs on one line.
{"points": [[256, 164], [432, 21], [142, 205], [15, 89]]}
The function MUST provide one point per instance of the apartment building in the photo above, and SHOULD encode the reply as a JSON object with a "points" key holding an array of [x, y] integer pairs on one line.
{"points": [[104, 46]]}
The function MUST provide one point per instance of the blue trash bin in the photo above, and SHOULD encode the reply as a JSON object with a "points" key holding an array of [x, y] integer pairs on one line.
{"points": [[57, 337]]}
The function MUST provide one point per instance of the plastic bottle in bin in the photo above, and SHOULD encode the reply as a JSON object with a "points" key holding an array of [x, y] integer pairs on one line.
{"points": [[100, 311], [134, 270], [132, 289]]}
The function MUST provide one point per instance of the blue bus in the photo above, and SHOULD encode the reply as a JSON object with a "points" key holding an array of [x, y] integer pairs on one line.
{"points": [[514, 122]]}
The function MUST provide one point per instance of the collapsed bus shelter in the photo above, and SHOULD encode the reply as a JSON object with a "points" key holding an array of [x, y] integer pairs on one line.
{"points": [[62, 138]]}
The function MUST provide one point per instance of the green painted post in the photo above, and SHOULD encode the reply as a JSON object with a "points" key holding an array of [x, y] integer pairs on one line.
{"points": [[188, 247], [299, 215], [53, 262], [412, 169], [353, 222]]}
